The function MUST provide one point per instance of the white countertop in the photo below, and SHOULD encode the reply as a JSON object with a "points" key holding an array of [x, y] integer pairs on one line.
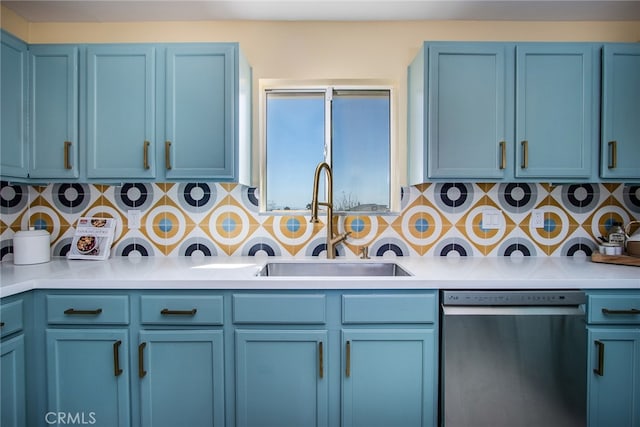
{"points": [[240, 273]]}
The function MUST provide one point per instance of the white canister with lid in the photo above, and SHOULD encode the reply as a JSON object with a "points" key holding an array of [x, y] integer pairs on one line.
{"points": [[31, 247]]}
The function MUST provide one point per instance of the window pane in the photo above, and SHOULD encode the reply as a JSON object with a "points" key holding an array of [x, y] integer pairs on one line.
{"points": [[361, 150], [295, 145]]}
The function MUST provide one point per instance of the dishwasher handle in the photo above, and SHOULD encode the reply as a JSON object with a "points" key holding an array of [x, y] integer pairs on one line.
{"points": [[481, 310]]}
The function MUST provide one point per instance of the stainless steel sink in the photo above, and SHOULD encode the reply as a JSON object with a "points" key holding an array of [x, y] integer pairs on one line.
{"points": [[338, 269]]}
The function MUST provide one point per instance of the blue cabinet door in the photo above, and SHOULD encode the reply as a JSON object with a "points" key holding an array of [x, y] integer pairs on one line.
{"points": [[120, 111], [281, 378], [53, 120], [467, 111], [13, 107], [389, 378], [614, 377], [620, 146], [200, 111], [182, 378], [12, 378], [88, 376], [556, 111]]}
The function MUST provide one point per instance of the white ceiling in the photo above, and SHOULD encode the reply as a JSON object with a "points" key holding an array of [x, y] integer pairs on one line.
{"points": [[323, 10]]}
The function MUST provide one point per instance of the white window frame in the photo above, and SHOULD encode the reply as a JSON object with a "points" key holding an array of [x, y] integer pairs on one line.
{"points": [[279, 85]]}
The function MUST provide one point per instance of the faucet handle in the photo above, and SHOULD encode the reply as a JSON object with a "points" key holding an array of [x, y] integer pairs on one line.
{"points": [[364, 252]]}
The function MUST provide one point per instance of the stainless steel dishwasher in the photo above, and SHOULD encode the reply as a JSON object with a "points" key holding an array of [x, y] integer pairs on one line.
{"points": [[513, 358]]}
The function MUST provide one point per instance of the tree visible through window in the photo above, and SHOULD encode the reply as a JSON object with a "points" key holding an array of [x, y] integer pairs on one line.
{"points": [[348, 128]]}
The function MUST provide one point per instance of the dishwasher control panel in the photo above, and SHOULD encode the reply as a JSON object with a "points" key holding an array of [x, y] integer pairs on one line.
{"points": [[514, 298]]}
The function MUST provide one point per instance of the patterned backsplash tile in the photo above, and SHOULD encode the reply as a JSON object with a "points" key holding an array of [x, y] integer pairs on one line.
{"points": [[213, 219]]}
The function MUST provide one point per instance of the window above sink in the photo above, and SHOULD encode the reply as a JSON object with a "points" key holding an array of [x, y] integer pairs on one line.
{"points": [[349, 125]]}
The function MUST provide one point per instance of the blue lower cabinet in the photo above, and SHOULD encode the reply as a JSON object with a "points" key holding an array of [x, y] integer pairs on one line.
{"points": [[181, 375], [614, 377], [87, 377], [281, 378], [389, 378], [12, 373]]}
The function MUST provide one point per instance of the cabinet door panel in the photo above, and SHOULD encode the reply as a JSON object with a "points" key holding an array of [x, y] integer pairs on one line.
{"points": [[554, 111], [613, 396], [466, 110], [184, 381], [391, 378], [81, 377], [13, 107], [200, 112], [620, 106], [12, 373], [54, 111], [278, 380], [120, 112]]}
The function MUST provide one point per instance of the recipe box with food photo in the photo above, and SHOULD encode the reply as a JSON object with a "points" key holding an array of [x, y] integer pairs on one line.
{"points": [[92, 239]]}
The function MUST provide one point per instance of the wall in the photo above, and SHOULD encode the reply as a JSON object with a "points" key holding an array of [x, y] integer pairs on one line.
{"points": [[436, 219]]}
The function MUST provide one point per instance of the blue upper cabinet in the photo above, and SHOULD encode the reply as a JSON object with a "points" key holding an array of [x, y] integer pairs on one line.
{"points": [[13, 108], [120, 121], [168, 112], [467, 126], [200, 114], [620, 147], [503, 111], [53, 118], [556, 111]]}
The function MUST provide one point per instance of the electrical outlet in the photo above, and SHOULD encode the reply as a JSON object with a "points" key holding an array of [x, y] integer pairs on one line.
{"points": [[133, 219], [537, 218], [491, 219]]}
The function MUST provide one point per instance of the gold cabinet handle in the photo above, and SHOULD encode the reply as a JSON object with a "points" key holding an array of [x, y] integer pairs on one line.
{"points": [[613, 154], [167, 312], [145, 155], [116, 358], [167, 155], [320, 360], [614, 312], [141, 372], [503, 155], [525, 154], [67, 152], [600, 369], [74, 312], [347, 370]]}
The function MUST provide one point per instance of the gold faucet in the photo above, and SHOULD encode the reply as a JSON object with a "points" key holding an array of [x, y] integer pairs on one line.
{"points": [[331, 240]]}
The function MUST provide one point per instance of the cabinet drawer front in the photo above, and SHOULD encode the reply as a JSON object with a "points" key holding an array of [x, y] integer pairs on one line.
{"points": [[88, 309], [11, 318], [614, 309], [381, 308], [180, 310], [279, 309]]}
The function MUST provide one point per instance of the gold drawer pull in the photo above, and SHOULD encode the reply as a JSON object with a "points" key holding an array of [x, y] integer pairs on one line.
{"points": [[167, 312], [613, 154], [347, 371], [503, 155], [167, 155], [73, 312], [320, 360], [67, 161], [141, 372], [116, 358], [525, 154], [145, 155], [630, 311], [600, 369]]}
